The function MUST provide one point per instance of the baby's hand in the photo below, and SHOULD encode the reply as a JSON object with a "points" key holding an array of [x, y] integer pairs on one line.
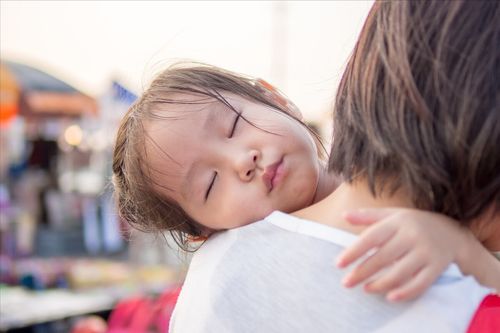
{"points": [[415, 246]]}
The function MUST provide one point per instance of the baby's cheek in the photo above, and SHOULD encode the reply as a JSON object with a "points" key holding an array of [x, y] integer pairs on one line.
{"points": [[232, 215], [304, 192], [247, 204], [251, 210]]}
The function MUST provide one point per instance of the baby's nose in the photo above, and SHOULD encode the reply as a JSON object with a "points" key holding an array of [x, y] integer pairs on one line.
{"points": [[247, 165]]}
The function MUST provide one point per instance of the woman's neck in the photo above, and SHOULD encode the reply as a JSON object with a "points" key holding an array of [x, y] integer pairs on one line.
{"points": [[351, 196]]}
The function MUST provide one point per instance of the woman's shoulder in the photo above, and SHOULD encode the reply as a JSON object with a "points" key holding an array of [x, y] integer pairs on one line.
{"points": [[320, 231]]}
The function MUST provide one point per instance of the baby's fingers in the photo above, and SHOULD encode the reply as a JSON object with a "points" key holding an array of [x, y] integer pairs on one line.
{"points": [[415, 287], [371, 238], [384, 257], [401, 272]]}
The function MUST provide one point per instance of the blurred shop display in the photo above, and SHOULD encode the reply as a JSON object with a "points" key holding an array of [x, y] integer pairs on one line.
{"points": [[9, 96], [144, 314], [57, 288], [90, 324], [54, 166], [64, 253], [32, 92], [83, 273]]}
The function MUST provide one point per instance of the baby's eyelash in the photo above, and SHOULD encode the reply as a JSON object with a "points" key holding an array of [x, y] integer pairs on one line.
{"points": [[210, 186], [238, 116]]}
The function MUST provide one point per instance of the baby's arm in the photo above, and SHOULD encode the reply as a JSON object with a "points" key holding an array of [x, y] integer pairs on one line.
{"points": [[477, 261], [415, 247]]}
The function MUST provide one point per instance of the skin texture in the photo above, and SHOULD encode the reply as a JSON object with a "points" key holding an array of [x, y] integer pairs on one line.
{"points": [[239, 153]]}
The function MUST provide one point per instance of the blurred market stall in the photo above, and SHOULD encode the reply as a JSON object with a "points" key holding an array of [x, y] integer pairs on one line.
{"points": [[32, 92], [63, 251], [40, 117]]}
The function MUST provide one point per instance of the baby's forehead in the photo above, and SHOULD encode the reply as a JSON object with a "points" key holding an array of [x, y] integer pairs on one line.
{"points": [[176, 121]]}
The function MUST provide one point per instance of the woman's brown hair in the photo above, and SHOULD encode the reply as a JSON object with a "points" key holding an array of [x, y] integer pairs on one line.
{"points": [[417, 106], [138, 202]]}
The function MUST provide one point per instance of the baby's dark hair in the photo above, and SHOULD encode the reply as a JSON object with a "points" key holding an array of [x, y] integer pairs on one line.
{"points": [[138, 201], [418, 105]]}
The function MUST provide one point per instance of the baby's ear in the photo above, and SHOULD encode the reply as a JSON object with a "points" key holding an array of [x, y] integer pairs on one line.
{"points": [[196, 239], [203, 234], [278, 98]]}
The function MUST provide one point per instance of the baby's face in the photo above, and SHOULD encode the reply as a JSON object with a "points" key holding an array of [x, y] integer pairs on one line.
{"points": [[225, 172]]}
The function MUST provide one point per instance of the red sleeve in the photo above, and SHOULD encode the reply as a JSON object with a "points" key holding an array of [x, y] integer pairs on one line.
{"points": [[487, 317]]}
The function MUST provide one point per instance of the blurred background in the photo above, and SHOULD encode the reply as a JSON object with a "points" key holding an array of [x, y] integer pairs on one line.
{"points": [[68, 72]]}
